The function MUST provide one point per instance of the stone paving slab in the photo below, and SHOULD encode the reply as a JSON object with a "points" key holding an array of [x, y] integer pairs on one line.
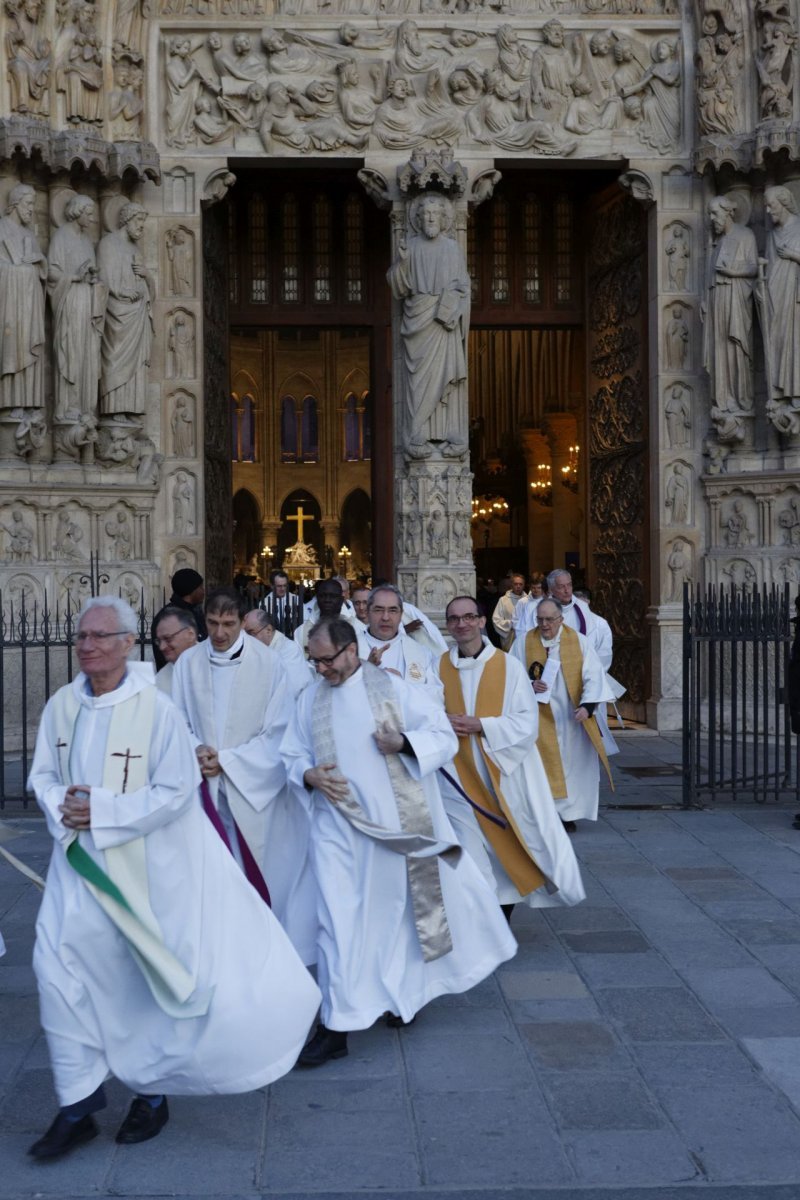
{"points": [[644, 1046]]}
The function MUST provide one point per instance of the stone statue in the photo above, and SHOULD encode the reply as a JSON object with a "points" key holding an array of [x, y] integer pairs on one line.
{"points": [[430, 276], [128, 330], [678, 416], [438, 541], [789, 522], [774, 62], [182, 502], [499, 118], [679, 566], [76, 441], [728, 319], [554, 68], [676, 496], [78, 301], [741, 573], [22, 271], [782, 308], [125, 103], [180, 256], [129, 21], [661, 97], [735, 527], [119, 535], [20, 538], [182, 424], [30, 433], [184, 85], [180, 344], [462, 541], [29, 58], [80, 76], [413, 538], [678, 254], [677, 340], [67, 536], [720, 60]]}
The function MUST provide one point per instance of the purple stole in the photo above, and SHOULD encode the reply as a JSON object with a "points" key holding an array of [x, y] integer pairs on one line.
{"points": [[251, 871], [581, 619]]}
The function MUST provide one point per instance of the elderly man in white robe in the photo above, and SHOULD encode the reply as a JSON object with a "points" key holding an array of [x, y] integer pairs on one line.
{"points": [[508, 610], [155, 960], [174, 630], [261, 625], [404, 914], [391, 648], [416, 624], [236, 700], [569, 682], [496, 791]]}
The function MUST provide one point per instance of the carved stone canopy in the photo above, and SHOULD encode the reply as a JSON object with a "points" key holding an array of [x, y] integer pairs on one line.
{"points": [[435, 171]]}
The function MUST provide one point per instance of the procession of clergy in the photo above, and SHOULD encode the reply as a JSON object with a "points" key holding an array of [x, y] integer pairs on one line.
{"points": [[357, 799]]}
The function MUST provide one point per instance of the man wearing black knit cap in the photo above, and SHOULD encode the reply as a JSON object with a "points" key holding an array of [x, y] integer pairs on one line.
{"points": [[187, 592]]}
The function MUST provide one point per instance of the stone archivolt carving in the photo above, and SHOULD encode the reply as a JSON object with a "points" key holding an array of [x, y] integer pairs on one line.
{"points": [[80, 70], [22, 272], [128, 330], [182, 425], [29, 57], [728, 321], [719, 62], [777, 38], [677, 496], [125, 103], [402, 86], [780, 298]]}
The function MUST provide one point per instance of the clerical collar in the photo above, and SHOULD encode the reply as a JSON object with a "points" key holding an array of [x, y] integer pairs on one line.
{"points": [[548, 643], [226, 658], [477, 653]]}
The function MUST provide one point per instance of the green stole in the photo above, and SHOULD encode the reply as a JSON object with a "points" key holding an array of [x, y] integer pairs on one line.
{"points": [[122, 890], [508, 844]]}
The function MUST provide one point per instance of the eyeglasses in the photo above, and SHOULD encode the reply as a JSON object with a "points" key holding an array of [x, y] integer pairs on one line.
{"points": [[168, 638], [392, 611], [548, 620], [328, 660], [464, 618], [82, 638]]}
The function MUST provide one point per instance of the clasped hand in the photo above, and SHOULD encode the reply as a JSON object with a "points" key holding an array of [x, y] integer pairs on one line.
{"points": [[76, 809], [208, 758]]}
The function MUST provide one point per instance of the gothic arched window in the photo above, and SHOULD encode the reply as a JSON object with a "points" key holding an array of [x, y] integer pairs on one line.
{"points": [[288, 429], [309, 438]]}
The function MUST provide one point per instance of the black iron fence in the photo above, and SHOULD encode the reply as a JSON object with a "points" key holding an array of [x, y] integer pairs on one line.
{"points": [[737, 739], [36, 659]]}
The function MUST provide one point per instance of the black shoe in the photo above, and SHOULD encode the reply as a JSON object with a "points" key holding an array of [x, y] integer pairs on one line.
{"points": [[325, 1044], [395, 1022], [142, 1122], [63, 1136], [569, 826]]}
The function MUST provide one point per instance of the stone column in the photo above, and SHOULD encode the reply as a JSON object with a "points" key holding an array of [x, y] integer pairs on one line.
{"points": [[536, 449], [562, 432]]}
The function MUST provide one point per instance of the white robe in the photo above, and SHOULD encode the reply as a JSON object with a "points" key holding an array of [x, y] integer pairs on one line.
{"points": [[97, 1010], [299, 674], [510, 741], [508, 611], [429, 635], [413, 662], [302, 631], [578, 756], [369, 960], [242, 710]]}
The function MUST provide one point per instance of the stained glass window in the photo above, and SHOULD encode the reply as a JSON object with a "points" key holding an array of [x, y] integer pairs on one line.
{"points": [[290, 273], [322, 250], [257, 225], [354, 250], [531, 254]]}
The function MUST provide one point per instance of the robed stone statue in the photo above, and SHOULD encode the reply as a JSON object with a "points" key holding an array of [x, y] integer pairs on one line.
{"points": [[22, 273], [128, 330]]}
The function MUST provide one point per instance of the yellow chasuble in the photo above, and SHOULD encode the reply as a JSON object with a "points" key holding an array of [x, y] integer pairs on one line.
{"points": [[507, 843], [572, 670]]}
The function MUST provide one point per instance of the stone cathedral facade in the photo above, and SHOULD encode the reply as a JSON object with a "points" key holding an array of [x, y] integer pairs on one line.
{"points": [[645, 151]]}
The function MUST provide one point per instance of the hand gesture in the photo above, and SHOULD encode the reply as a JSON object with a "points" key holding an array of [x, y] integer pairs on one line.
{"points": [[76, 808], [377, 653], [388, 740], [327, 779]]}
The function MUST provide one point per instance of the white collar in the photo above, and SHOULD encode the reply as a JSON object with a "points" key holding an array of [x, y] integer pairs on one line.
{"points": [[229, 657], [137, 677], [472, 662]]}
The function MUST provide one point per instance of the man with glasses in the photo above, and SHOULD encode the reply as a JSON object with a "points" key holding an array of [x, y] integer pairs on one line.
{"points": [[155, 961], [174, 630], [404, 914], [497, 794], [390, 647], [569, 682], [233, 692]]}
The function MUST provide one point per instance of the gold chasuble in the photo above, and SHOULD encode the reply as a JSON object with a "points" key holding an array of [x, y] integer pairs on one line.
{"points": [[507, 843], [572, 671]]}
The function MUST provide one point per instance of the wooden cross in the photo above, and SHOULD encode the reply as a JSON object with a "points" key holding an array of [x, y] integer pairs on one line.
{"points": [[301, 517], [126, 754]]}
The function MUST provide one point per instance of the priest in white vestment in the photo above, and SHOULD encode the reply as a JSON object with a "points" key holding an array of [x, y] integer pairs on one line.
{"points": [[509, 607], [156, 961], [415, 623], [235, 697], [260, 625], [391, 648], [404, 914], [569, 682], [512, 829], [174, 630]]}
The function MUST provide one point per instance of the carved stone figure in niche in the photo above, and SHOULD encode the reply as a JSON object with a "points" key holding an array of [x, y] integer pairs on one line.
{"points": [[119, 535], [735, 527], [182, 424], [728, 319], [437, 592], [184, 84], [678, 416], [741, 573], [180, 346], [125, 103], [80, 76], [499, 118], [676, 496], [128, 331], [182, 505], [131, 590], [438, 541], [29, 58], [129, 22], [67, 536], [661, 97], [774, 59], [677, 340], [554, 68], [20, 538], [782, 343], [789, 522], [413, 538], [76, 441], [22, 272], [462, 540], [679, 565], [678, 254], [180, 256], [430, 276], [78, 301], [30, 433]]}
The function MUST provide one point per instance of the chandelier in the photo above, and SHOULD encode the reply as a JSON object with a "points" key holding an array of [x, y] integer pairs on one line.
{"points": [[542, 484], [489, 508], [569, 472]]}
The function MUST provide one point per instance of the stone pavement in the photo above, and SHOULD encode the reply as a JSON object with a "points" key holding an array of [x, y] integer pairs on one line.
{"points": [[643, 1046]]}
